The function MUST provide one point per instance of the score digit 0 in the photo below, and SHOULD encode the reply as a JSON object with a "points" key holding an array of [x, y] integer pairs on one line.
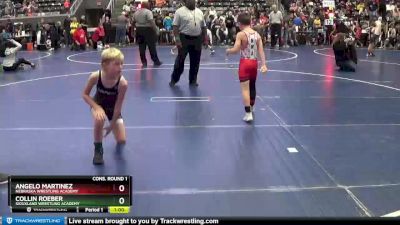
{"points": [[121, 200], [121, 188]]}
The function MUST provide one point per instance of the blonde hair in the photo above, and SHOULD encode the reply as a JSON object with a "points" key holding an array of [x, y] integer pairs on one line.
{"points": [[110, 54]]}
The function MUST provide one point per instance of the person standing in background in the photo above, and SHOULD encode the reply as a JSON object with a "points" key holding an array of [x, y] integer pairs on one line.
{"points": [[276, 21], [67, 6], [168, 26], [84, 25], [73, 26], [67, 31], [146, 33], [107, 13], [376, 32], [190, 31], [122, 23], [230, 25], [107, 31]]}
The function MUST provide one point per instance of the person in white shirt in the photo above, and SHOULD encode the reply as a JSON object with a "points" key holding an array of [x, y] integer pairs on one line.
{"points": [[126, 8], [276, 21], [212, 12], [9, 50], [375, 35], [222, 34]]}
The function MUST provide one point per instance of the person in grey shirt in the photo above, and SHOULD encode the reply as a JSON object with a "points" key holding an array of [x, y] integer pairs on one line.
{"points": [[190, 32], [121, 25], [146, 33], [276, 21]]}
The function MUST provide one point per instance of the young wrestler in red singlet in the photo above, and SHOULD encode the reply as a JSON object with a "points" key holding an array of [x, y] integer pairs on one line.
{"points": [[250, 45]]}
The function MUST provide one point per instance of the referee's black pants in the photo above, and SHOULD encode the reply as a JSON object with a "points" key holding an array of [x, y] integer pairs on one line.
{"points": [[276, 31], [146, 36], [191, 45]]}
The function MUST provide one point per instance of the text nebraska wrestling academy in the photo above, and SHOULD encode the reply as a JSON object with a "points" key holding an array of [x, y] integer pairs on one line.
{"points": [[43, 186]]}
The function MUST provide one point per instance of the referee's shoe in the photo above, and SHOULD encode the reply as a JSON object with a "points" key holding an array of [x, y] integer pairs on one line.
{"points": [[3, 178]]}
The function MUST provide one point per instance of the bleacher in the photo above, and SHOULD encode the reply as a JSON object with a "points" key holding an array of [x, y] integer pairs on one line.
{"points": [[221, 5], [11, 9], [53, 6]]}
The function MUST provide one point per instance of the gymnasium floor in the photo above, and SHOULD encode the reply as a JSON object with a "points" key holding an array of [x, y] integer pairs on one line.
{"points": [[323, 143]]}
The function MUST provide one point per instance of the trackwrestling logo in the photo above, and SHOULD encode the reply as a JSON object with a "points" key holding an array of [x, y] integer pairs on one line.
{"points": [[33, 221]]}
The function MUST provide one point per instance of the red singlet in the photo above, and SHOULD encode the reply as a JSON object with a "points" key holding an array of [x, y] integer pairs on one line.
{"points": [[248, 66]]}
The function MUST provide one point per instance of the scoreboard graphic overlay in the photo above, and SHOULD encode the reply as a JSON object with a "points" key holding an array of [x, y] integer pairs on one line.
{"points": [[86, 194]]}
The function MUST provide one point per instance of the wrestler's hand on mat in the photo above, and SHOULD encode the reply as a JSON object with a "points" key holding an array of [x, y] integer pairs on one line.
{"points": [[228, 51], [99, 113], [263, 69]]}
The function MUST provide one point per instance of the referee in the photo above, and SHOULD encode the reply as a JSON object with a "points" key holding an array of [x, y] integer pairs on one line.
{"points": [[276, 21], [189, 31], [146, 33]]}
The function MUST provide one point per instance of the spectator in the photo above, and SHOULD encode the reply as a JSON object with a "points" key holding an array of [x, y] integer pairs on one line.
{"points": [[168, 22], [41, 39], [230, 26], [67, 6], [382, 9], [396, 12], [74, 25], [376, 33], [391, 41], [168, 27], [318, 31], [126, 8], [212, 12], [9, 8], [291, 38], [107, 31], [364, 34], [121, 26], [84, 24], [216, 24], [98, 36], [358, 34], [5, 35], [79, 38], [67, 31], [9, 50], [54, 37], [10, 27], [222, 34], [373, 7], [107, 13], [146, 34], [360, 7]]}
